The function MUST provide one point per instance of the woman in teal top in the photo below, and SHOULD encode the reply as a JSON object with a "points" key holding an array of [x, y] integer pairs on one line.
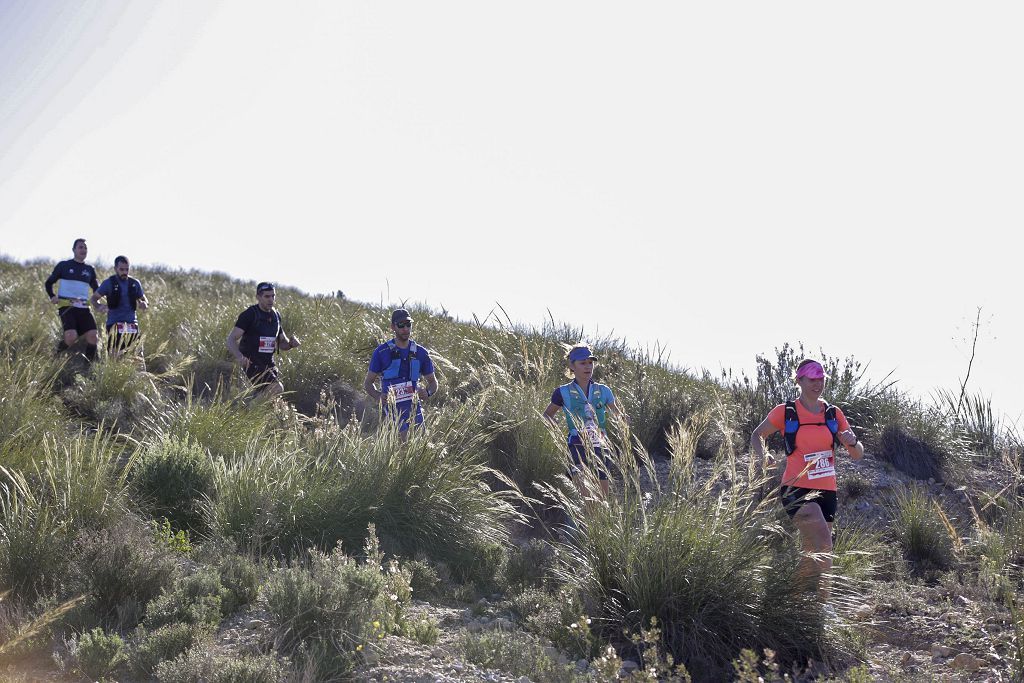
{"points": [[586, 405]]}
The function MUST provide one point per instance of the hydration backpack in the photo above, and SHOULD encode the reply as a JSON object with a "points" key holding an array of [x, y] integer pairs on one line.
{"points": [[793, 424]]}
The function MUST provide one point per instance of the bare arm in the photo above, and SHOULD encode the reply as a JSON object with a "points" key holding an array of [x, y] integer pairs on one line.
{"points": [[550, 412], [285, 342], [368, 385], [761, 432], [232, 342], [142, 302], [431, 387]]}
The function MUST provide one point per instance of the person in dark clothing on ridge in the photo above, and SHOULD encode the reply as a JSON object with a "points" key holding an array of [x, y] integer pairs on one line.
{"points": [[74, 280], [256, 336], [124, 295]]}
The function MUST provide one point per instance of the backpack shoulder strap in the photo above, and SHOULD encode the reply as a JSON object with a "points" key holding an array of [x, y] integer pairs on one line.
{"points": [[792, 424]]}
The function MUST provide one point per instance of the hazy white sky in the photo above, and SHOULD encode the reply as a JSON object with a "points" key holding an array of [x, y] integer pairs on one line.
{"points": [[720, 177]]}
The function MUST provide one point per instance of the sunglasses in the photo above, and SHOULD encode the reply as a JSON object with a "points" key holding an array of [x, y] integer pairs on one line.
{"points": [[403, 325]]}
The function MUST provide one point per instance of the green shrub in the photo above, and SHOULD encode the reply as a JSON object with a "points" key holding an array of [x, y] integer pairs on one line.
{"points": [[923, 531], [424, 580], [529, 565], [910, 454], [120, 569], [163, 644], [203, 664], [198, 598], [172, 477], [97, 654], [515, 653], [557, 617], [241, 577], [324, 611]]}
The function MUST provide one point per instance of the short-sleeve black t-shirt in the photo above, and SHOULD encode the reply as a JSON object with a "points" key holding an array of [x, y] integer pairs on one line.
{"points": [[260, 331]]}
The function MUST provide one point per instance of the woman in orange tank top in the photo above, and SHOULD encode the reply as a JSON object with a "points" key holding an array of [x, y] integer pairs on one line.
{"points": [[808, 489]]}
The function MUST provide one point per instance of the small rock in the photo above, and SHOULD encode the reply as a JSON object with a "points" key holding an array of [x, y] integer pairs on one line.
{"points": [[941, 651], [437, 653], [501, 624], [907, 658], [965, 662], [628, 667], [371, 657], [458, 667], [863, 612], [862, 506], [254, 624], [523, 679], [495, 597], [474, 627], [582, 665]]}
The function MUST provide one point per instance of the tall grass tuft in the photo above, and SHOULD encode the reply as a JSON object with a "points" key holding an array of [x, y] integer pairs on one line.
{"points": [[923, 531], [428, 495], [709, 563]]}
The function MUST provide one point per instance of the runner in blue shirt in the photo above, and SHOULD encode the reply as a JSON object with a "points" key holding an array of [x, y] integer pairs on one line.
{"points": [[401, 363], [74, 280], [586, 405], [124, 295]]}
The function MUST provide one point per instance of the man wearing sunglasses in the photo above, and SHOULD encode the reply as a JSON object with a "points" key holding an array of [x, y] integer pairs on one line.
{"points": [[257, 334], [401, 364]]}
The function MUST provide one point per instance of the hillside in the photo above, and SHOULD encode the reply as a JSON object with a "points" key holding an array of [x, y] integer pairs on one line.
{"points": [[158, 522]]}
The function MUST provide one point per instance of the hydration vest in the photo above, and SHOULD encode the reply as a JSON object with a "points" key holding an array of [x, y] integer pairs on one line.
{"points": [[575, 402], [793, 424], [114, 298], [407, 370]]}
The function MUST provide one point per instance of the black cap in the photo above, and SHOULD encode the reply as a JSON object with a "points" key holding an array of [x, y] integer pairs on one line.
{"points": [[400, 314], [264, 287]]}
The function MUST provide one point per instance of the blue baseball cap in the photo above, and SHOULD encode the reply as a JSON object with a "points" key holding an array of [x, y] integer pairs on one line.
{"points": [[580, 353]]}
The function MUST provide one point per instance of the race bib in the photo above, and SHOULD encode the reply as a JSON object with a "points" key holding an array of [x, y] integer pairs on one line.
{"points": [[820, 465], [403, 391], [268, 344], [126, 328], [75, 290]]}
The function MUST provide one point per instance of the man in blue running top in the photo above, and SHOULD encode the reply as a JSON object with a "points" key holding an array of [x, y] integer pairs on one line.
{"points": [[401, 363], [586, 405], [124, 296], [75, 281], [257, 334]]}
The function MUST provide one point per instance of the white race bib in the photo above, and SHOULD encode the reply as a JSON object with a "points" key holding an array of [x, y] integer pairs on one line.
{"points": [[268, 344], [820, 465], [126, 328], [403, 391], [75, 290]]}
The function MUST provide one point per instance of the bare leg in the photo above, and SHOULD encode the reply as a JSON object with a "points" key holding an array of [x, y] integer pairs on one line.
{"points": [[816, 544]]}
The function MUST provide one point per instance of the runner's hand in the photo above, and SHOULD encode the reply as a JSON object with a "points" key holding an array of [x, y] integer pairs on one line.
{"points": [[294, 342], [422, 391], [244, 362], [848, 438], [54, 299]]}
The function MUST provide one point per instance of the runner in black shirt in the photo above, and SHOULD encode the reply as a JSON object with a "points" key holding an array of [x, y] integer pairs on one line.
{"points": [[256, 336], [74, 280]]}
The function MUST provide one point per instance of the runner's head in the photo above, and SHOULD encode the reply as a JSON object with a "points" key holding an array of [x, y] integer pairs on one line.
{"points": [[401, 324], [810, 377], [122, 267], [79, 249], [265, 295], [581, 362]]}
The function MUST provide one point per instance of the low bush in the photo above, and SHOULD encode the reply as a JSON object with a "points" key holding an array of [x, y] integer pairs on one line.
{"points": [[172, 477], [206, 665], [326, 609], [97, 654], [163, 644], [515, 653], [529, 565], [120, 570], [911, 455], [199, 598]]}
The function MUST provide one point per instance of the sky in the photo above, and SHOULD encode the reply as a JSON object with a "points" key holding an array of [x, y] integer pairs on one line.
{"points": [[717, 178]]}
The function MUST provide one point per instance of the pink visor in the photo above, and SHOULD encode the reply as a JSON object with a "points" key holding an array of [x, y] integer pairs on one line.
{"points": [[812, 370]]}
